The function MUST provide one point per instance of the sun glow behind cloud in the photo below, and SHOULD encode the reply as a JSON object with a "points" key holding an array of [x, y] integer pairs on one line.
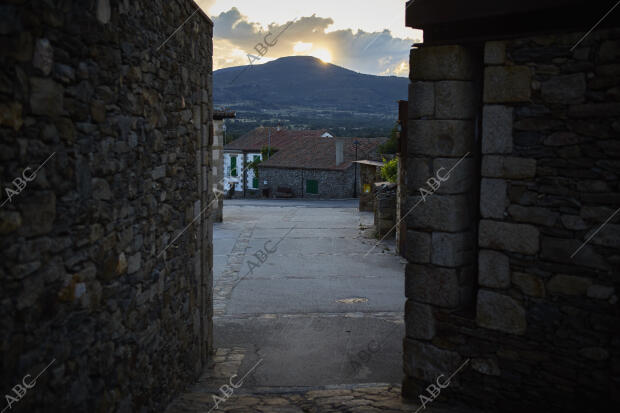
{"points": [[236, 36], [322, 54], [301, 47], [307, 49]]}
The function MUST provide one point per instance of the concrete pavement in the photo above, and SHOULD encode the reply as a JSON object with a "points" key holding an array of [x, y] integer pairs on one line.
{"points": [[315, 305], [313, 325]]}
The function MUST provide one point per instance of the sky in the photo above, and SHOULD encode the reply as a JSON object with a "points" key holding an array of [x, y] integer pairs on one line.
{"points": [[367, 36]]}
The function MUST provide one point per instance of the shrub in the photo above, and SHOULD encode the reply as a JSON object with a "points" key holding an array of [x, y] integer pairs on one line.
{"points": [[389, 171]]}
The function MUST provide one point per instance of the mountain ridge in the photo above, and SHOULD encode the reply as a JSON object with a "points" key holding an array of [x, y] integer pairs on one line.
{"points": [[303, 91]]}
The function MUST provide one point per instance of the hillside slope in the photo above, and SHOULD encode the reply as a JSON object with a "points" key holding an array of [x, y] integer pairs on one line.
{"points": [[307, 81], [304, 92]]}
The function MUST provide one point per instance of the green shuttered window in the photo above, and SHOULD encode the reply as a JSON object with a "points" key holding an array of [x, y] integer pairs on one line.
{"points": [[233, 166], [312, 186]]}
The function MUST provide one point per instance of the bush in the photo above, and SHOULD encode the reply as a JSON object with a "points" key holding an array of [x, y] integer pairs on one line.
{"points": [[389, 171]]}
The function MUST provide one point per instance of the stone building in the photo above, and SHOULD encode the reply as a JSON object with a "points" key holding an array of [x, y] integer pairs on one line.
{"points": [[311, 163], [217, 159], [100, 281], [247, 148], [318, 167], [519, 104]]}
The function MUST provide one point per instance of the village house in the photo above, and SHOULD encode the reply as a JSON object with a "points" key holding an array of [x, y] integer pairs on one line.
{"points": [[318, 167], [239, 153], [303, 164]]}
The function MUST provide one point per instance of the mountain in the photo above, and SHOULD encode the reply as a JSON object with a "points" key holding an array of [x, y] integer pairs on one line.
{"points": [[302, 91]]}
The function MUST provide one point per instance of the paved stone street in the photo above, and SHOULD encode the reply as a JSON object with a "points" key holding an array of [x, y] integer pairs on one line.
{"points": [[315, 301], [356, 398], [315, 325]]}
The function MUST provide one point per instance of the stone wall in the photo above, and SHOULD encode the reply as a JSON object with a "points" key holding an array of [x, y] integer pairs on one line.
{"points": [[218, 167], [332, 184], [369, 174], [385, 209], [125, 125], [544, 335], [440, 210]]}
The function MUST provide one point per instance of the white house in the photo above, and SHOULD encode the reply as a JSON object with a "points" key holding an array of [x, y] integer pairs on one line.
{"points": [[235, 164]]}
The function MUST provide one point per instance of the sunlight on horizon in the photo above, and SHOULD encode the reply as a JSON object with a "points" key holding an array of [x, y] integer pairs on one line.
{"points": [[306, 49], [322, 54]]}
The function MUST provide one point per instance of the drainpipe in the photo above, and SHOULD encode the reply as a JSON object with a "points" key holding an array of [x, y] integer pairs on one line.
{"points": [[245, 173]]}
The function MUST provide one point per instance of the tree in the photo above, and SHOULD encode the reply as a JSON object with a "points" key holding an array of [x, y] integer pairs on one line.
{"points": [[391, 146]]}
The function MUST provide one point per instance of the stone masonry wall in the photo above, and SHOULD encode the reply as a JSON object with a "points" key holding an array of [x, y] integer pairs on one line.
{"points": [[385, 209], [218, 167], [125, 125], [332, 184], [440, 215], [545, 336]]}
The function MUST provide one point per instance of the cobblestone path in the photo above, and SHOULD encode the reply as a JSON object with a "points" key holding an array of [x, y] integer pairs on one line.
{"points": [[361, 398]]}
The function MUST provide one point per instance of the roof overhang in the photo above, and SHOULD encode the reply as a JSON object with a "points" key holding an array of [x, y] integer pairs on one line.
{"points": [[305, 168], [458, 21], [371, 163]]}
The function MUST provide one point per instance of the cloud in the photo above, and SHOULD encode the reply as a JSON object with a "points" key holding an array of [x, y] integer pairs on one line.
{"points": [[375, 53]]}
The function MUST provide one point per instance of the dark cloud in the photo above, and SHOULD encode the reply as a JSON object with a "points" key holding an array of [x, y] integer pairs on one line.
{"points": [[376, 53]]}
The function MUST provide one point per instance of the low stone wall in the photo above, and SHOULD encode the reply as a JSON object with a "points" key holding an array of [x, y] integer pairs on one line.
{"points": [[543, 334], [332, 184], [124, 125], [385, 209]]}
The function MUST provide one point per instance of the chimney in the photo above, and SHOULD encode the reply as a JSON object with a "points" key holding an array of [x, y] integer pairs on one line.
{"points": [[339, 151]]}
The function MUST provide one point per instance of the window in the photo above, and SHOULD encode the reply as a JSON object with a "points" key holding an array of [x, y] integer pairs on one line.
{"points": [[312, 186], [256, 158], [255, 183], [233, 166]]}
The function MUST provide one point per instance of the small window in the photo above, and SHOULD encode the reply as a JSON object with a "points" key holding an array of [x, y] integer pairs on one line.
{"points": [[255, 183], [312, 186], [233, 166]]}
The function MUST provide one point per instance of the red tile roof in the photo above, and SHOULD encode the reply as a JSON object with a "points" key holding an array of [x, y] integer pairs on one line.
{"points": [[306, 149], [320, 153], [254, 140]]}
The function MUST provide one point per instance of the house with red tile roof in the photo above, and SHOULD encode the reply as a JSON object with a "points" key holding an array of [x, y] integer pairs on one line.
{"points": [[239, 153], [307, 163]]}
